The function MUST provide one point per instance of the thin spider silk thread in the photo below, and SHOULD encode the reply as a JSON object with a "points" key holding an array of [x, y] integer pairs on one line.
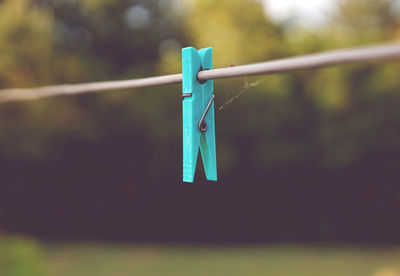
{"points": [[242, 90]]}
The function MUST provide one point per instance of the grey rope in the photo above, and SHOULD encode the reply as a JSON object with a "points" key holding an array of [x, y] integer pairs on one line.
{"points": [[324, 59], [318, 60]]}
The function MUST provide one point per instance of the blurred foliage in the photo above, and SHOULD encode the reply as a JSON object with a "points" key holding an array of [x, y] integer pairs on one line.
{"points": [[314, 120], [61, 41], [25, 39], [20, 256], [247, 35], [147, 260]]}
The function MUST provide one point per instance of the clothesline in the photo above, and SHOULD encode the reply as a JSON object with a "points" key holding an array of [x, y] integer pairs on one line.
{"points": [[311, 61]]}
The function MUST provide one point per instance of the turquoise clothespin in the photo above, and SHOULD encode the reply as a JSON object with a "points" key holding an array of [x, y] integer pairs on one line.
{"points": [[198, 114]]}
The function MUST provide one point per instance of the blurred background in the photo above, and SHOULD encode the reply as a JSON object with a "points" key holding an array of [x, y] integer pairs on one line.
{"points": [[308, 162]]}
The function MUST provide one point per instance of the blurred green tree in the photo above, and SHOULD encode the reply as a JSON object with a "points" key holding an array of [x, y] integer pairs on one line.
{"points": [[239, 33], [26, 44]]}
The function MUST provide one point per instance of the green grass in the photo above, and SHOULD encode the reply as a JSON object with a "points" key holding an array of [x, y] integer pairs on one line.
{"points": [[99, 260]]}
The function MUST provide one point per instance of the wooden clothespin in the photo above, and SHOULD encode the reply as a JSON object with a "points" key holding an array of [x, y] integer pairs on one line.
{"points": [[198, 114]]}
